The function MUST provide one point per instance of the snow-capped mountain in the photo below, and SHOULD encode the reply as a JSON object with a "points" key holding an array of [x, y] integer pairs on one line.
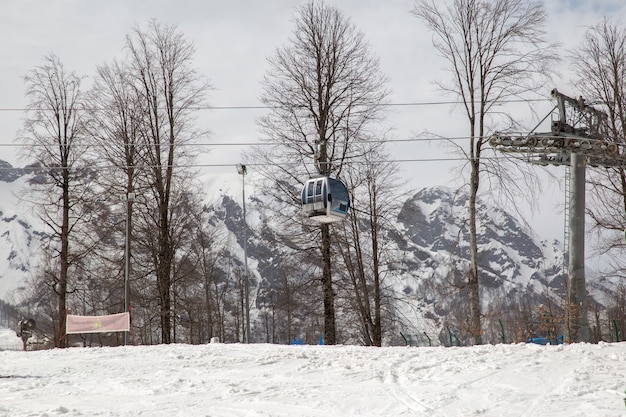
{"points": [[511, 257], [428, 257], [427, 251], [20, 232], [514, 264]]}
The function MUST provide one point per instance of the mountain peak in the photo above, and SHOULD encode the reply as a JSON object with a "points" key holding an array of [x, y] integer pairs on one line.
{"points": [[8, 173]]}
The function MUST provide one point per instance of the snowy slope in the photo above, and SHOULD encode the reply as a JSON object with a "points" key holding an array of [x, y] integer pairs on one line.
{"points": [[18, 237], [221, 380], [9, 340]]}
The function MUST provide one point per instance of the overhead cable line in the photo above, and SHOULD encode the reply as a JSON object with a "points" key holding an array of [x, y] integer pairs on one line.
{"points": [[31, 168], [264, 107], [259, 143]]}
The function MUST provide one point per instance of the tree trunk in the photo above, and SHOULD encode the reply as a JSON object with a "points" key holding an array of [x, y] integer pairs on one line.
{"points": [[377, 332], [327, 289], [62, 285], [165, 313], [164, 287], [473, 284], [377, 336]]}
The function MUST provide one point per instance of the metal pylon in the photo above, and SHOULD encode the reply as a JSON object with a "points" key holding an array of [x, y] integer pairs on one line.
{"points": [[566, 203], [578, 137]]}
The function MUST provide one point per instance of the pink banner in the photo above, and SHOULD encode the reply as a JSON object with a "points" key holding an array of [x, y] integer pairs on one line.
{"points": [[98, 324]]}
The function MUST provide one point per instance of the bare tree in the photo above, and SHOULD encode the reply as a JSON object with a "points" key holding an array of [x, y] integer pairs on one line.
{"points": [[142, 124], [362, 240], [168, 91], [324, 89], [495, 51], [206, 251], [600, 66], [114, 125], [54, 131]]}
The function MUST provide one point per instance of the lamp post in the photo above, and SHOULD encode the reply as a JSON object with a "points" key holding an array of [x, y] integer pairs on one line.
{"points": [[242, 170], [128, 199]]}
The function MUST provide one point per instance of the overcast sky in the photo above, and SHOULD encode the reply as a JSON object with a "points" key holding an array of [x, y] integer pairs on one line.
{"points": [[233, 40]]}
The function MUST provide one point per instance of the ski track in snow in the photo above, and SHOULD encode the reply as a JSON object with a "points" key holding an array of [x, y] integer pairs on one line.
{"points": [[221, 380]]}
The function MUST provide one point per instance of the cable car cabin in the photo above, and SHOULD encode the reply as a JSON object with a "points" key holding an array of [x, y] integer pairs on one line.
{"points": [[325, 200]]}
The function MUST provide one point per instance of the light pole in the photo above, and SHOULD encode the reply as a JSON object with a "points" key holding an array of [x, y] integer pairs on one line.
{"points": [[128, 199], [241, 169]]}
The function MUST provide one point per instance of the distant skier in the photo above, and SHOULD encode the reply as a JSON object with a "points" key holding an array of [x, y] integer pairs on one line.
{"points": [[26, 329]]}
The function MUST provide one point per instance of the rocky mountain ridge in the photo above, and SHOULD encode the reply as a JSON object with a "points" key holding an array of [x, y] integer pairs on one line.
{"points": [[428, 244]]}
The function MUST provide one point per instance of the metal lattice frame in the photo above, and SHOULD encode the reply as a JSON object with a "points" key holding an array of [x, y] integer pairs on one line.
{"points": [[578, 128]]}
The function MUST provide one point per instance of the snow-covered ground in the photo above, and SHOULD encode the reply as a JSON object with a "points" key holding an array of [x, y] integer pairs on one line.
{"points": [[9, 340], [271, 380]]}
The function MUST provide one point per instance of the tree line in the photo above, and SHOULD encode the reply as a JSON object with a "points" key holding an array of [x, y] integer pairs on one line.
{"points": [[326, 98]]}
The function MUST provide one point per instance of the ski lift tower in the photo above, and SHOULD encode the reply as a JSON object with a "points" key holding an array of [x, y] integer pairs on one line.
{"points": [[578, 138]]}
